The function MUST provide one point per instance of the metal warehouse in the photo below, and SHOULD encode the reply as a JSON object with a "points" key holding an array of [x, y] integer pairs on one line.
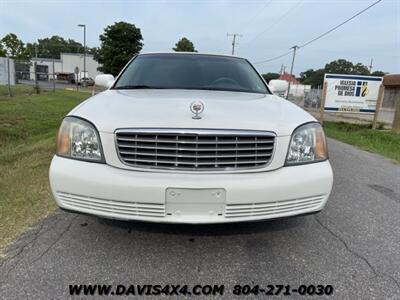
{"points": [[67, 64]]}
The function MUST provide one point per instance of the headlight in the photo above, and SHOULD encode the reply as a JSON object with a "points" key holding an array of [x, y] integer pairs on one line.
{"points": [[308, 144], [79, 139]]}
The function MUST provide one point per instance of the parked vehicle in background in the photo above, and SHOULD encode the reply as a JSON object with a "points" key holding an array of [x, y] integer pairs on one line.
{"points": [[65, 77], [190, 138], [86, 81]]}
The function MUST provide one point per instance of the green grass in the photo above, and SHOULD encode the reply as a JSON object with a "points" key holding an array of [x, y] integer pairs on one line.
{"points": [[16, 90], [28, 127], [383, 142]]}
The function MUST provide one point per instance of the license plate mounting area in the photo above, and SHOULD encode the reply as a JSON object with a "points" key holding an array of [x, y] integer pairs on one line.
{"points": [[195, 202]]}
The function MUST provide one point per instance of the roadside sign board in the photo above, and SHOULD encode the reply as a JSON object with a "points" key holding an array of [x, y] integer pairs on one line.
{"points": [[351, 93]]}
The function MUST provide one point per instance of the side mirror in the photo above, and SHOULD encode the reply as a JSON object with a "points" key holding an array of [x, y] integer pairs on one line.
{"points": [[278, 86], [105, 80]]}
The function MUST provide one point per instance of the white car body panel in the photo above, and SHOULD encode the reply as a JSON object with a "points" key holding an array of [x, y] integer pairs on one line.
{"points": [[116, 190], [130, 195], [115, 109]]}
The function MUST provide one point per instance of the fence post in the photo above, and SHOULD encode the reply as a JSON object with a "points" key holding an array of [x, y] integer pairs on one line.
{"points": [[378, 105], [35, 77], [396, 119], [322, 107], [54, 78], [8, 77]]}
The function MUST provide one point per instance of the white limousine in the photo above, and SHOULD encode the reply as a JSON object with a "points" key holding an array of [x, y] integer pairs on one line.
{"points": [[190, 138]]}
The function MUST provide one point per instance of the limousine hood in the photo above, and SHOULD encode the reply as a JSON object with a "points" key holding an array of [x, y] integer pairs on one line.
{"points": [[115, 109]]}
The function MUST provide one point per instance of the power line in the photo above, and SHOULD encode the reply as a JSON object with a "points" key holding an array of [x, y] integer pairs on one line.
{"points": [[274, 58], [341, 24], [321, 35], [276, 21], [251, 20]]}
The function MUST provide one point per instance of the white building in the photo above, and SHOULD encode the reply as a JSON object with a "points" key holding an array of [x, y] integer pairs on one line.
{"points": [[299, 90], [5, 72], [296, 88], [66, 64]]}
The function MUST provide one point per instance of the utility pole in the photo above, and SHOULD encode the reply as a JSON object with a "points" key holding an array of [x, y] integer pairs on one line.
{"points": [[295, 47], [234, 42], [370, 65], [84, 48], [282, 70]]}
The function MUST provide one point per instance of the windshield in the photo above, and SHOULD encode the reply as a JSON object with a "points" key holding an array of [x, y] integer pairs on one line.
{"points": [[187, 71]]}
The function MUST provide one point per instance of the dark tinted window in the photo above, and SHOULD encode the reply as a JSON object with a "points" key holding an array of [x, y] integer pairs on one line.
{"points": [[188, 71]]}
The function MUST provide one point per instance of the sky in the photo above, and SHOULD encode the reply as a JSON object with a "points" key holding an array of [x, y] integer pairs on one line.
{"points": [[268, 27]]}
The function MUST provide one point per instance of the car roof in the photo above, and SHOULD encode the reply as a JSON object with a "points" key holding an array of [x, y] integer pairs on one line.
{"points": [[191, 53]]}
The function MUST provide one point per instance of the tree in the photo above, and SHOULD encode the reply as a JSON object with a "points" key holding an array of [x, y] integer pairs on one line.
{"points": [[52, 47], [269, 76], [378, 73], [3, 52], [14, 47], [119, 43], [360, 69], [340, 66], [312, 77], [184, 45]]}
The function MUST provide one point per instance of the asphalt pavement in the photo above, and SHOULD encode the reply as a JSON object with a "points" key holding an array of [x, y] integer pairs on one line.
{"points": [[353, 245]]}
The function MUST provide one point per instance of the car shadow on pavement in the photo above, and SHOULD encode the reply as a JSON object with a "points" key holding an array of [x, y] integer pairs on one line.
{"points": [[224, 229]]}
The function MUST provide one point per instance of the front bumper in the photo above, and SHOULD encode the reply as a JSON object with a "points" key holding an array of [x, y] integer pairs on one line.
{"points": [[110, 192]]}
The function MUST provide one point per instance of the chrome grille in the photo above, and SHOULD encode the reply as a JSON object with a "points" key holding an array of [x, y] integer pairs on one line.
{"points": [[195, 149]]}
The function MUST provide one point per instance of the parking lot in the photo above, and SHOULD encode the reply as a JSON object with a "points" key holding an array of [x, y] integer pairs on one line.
{"points": [[352, 245]]}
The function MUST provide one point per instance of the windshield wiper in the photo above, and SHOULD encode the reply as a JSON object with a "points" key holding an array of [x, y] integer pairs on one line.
{"points": [[135, 87]]}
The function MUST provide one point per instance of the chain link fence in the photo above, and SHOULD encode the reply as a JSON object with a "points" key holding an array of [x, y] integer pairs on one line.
{"points": [[32, 77], [310, 100]]}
